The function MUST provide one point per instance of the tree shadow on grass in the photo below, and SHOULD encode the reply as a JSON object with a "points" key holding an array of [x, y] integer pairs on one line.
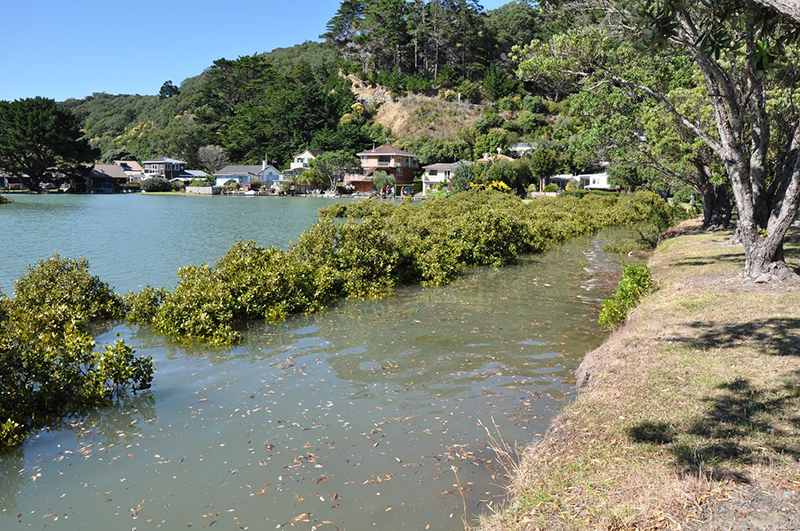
{"points": [[732, 258], [775, 336], [739, 428]]}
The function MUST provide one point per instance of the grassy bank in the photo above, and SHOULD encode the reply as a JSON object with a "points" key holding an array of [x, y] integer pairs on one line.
{"points": [[687, 417]]}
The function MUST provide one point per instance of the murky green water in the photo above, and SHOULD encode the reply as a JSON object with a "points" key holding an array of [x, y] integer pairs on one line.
{"points": [[371, 415]]}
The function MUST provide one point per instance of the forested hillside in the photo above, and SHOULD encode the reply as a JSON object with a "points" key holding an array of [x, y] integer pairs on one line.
{"points": [[452, 57]]}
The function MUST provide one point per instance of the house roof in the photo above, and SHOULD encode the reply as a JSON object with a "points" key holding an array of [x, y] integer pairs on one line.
{"points": [[164, 159], [385, 150], [129, 165], [254, 169], [446, 165], [494, 158], [196, 173], [314, 152], [108, 170]]}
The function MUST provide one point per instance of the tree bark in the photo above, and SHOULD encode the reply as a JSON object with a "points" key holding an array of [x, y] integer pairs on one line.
{"points": [[790, 8], [717, 206]]}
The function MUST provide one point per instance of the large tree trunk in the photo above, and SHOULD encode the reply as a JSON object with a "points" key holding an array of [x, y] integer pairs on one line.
{"points": [[765, 213], [764, 260], [717, 206]]}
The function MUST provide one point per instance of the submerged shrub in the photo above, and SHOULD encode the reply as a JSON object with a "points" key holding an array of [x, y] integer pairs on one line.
{"points": [[142, 306], [59, 291], [357, 209], [634, 283], [48, 366], [378, 247]]}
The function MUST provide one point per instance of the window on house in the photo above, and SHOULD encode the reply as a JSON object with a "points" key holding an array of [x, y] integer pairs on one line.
{"points": [[384, 160], [432, 173]]}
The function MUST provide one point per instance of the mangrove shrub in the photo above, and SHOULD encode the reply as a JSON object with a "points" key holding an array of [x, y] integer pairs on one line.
{"points": [[377, 248], [48, 364]]}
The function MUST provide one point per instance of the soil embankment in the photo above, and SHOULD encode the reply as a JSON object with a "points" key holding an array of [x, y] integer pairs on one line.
{"points": [[688, 417]]}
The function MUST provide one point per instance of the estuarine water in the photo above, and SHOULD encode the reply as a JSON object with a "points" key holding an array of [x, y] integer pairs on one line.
{"points": [[370, 415]]}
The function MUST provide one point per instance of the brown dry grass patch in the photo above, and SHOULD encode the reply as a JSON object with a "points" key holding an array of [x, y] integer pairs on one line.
{"points": [[688, 416]]}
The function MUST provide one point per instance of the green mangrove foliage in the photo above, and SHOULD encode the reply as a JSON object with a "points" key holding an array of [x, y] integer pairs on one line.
{"points": [[377, 248], [358, 209], [634, 283], [4, 199], [48, 364]]}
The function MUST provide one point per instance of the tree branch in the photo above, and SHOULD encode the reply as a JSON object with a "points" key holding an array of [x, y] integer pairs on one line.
{"points": [[688, 124]]}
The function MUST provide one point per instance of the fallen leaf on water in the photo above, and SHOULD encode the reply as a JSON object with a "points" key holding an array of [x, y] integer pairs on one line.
{"points": [[320, 480], [298, 518]]}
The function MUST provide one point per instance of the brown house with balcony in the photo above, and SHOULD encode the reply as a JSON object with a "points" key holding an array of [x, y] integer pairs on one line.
{"points": [[394, 161]]}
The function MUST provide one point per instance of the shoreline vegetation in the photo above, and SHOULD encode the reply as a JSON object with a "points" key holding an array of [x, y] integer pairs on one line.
{"points": [[48, 372], [430, 243], [687, 416]]}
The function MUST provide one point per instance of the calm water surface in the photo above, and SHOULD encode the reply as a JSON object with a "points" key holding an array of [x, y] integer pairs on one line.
{"points": [[371, 415]]}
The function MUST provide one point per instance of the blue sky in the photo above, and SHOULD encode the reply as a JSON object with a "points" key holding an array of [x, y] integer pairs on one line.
{"points": [[61, 50]]}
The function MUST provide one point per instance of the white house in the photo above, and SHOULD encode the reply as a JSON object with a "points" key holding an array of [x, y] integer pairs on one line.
{"points": [[440, 173], [301, 162], [589, 181], [267, 174], [595, 181]]}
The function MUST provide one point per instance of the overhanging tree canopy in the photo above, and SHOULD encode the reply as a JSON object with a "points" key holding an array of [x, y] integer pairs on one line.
{"points": [[748, 56], [42, 142]]}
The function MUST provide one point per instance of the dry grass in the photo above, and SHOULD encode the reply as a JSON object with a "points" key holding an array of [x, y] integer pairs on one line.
{"points": [[695, 401], [418, 116]]}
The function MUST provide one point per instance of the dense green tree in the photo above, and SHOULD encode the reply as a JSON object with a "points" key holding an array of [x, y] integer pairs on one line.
{"points": [[382, 179], [495, 141], [516, 23], [626, 175], [544, 164], [746, 56], [500, 171], [333, 165], [462, 177], [42, 142], [168, 90]]}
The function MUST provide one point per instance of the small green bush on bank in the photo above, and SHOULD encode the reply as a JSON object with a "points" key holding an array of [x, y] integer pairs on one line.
{"points": [[634, 283], [48, 363], [156, 184]]}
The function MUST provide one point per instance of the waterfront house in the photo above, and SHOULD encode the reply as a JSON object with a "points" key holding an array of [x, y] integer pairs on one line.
{"points": [[105, 178], [132, 169], [164, 167], [394, 161], [245, 174], [301, 162], [438, 174]]}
